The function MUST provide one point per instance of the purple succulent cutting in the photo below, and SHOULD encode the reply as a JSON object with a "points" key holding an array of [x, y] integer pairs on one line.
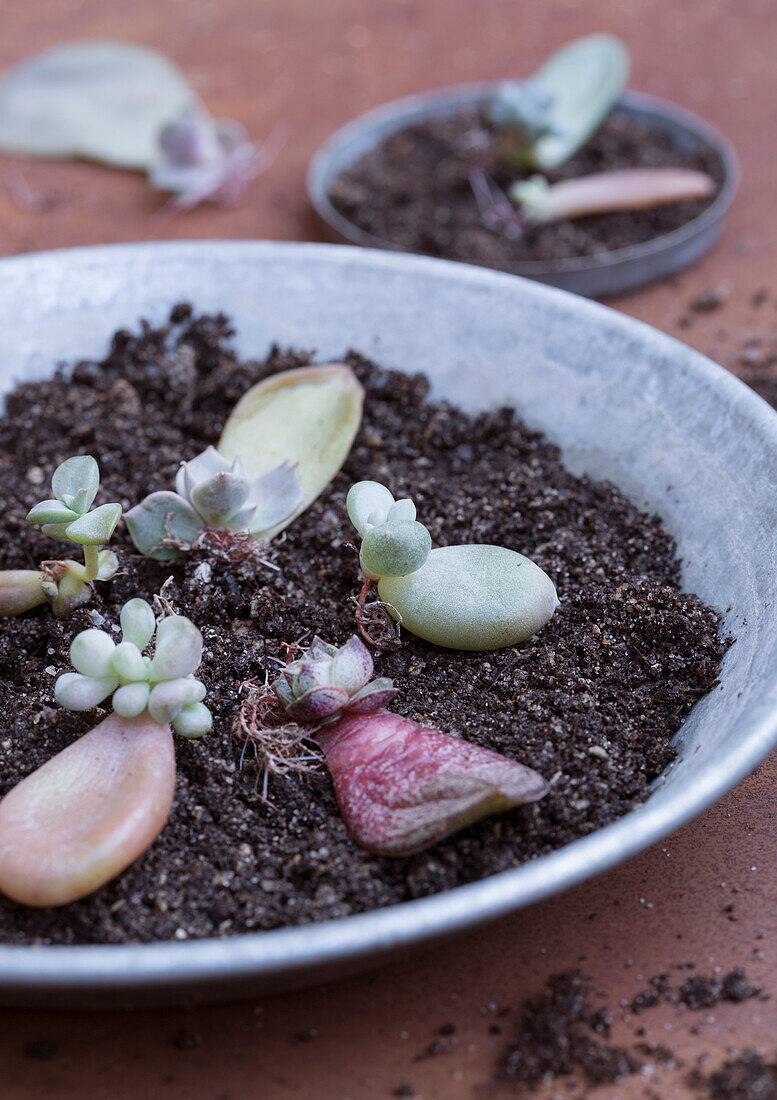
{"points": [[327, 682]]}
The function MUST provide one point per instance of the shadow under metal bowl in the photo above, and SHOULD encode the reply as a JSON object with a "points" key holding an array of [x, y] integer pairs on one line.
{"points": [[674, 431], [595, 276]]}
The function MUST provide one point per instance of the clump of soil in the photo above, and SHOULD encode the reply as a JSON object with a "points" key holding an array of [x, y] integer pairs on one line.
{"points": [[560, 1033], [748, 1077], [414, 191], [557, 1036], [595, 697]]}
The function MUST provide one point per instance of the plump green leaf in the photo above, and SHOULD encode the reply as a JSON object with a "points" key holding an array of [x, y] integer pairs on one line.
{"points": [[395, 549], [75, 482], [137, 623], [130, 700], [95, 527], [103, 100], [367, 500], [51, 511], [91, 653], [20, 590], [76, 692], [193, 721], [178, 648], [473, 597], [107, 565]]}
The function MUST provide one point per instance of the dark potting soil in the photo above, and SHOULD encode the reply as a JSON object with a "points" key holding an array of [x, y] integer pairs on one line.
{"points": [[414, 190], [593, 699]]}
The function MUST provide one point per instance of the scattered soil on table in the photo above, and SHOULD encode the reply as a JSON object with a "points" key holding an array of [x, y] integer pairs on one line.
{"points": [[414, 191], [561, 1033], [594, 698], [747, 1077]]}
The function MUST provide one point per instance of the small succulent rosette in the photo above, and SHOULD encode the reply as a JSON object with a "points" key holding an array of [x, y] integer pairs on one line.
{"points": [[327, 682], [212, 493], [163, 684]]}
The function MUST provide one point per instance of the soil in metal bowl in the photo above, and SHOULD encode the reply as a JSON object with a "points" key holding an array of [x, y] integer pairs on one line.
{"points": [[595, 697], [414, 191]]}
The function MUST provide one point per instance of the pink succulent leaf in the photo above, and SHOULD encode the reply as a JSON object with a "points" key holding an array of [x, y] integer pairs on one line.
{"points": [[373, 697], [352, 665], [318, 704], [313, 674], [320, 648], [403, 787]]}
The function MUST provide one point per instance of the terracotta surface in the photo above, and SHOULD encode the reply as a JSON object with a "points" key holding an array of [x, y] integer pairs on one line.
{"points": [[310, 64]]}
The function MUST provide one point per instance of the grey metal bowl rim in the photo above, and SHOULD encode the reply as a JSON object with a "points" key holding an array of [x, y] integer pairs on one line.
{"points": [[318, 180], [169, 964]]}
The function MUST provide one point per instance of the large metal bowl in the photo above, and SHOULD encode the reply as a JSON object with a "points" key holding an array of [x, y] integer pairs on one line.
{"points": [[674, 431], [605, 273]]}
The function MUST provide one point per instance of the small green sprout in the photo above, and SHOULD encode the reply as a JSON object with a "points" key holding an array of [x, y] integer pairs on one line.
{"points": [[69, 516], [394, 543], [163, 684], [471, 597], [211, 494]]}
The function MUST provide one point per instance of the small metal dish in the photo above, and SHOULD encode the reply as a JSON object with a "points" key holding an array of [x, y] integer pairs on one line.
{"points": [[596, 276], [679, 435]]}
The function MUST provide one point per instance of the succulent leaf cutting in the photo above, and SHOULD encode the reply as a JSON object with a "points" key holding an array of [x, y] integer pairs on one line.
{"points": [[69, 516], [470, 597], [164, 684], [548, 116], [401, 786], [92, 809]]}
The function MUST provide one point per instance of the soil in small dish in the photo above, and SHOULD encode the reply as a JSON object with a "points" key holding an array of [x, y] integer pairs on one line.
{"points": [[593, 699], [414, 191]]}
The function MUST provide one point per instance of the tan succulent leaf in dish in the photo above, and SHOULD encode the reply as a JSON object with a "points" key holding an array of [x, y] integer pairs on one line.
{"points": [[308, 417]]}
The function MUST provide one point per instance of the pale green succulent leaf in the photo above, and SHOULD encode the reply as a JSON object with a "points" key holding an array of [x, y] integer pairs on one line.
{"points": [[103, 100], [395, 549], [401, 511], [76, 692], [137, 623], [95, 527], [219, 498], [107, 565], [75, 482], [472, 597], [56, 530], [193, 721], [91, 653], [368, 502], [584, 80], [178, 648], [130, 700], [162, 516], [274, 497], [307, 418], [51, 511], [127, 663]]}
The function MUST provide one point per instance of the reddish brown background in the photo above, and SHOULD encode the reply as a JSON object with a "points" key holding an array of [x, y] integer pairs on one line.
{"points": [[313, 64]]}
